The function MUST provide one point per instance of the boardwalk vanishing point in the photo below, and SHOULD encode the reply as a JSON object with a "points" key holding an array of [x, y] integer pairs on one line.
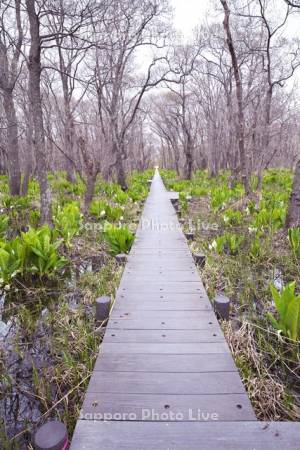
{"points": [[165, 378]]}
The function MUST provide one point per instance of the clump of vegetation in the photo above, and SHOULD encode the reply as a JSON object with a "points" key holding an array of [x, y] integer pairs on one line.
{"points": [[120, 239], [228, 243], [232, 217], [33, 253], [4, 222], [288, 307], [294, 238], [68, 222], [103, 210]]}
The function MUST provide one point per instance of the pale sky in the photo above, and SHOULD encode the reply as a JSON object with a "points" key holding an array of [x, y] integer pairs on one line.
{"points": [[189, 13]]}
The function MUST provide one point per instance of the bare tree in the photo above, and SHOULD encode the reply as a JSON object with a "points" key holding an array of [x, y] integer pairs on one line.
{"points": [[10, 55], [34, 69], [239, 96]]}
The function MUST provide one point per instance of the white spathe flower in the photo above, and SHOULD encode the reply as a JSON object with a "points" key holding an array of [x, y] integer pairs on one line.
{"points": [[252, 230], [213, 245], [247, 211], [121, 218], [226, 219], [103, 213]]}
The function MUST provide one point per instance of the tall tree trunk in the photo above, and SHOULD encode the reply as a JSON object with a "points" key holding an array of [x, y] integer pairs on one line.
{"points": [[3, 161], [68, 122], [29, 161], [34, 68], [13, 161], [90, 189], [293, 217], [119, 155], [121, 176], [187, 173], [187, 138], [188, 169], [239, 96], [69, 144], [91, 170]]}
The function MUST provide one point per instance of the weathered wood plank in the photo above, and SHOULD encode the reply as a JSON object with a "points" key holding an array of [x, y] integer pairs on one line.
{"points": [[184, 363], [150, 271], [177, 349], [167, 264], [166, 383], [205, 323], [142, 305], [133, 314], [154, 287], [178, 263], [95, 435], [160, 276], [163, 297], [128, 407], [170, 336]]}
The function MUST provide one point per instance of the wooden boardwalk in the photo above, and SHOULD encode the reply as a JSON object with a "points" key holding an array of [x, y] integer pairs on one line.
{"points": [[165, 378]]}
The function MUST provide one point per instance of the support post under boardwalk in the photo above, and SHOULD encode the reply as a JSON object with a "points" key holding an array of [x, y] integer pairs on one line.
{"points": [[165, 377]]}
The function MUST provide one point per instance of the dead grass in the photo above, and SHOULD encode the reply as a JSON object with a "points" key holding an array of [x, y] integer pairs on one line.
{"points": [[265, 391]]}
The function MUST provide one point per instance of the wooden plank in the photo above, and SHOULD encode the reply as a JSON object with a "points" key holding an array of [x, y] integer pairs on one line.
{"points": [[162, 296], [166, 383], [160, 276], [173, 287], [205, 323], [152, 245], [170, 247], [177, 349], [181, 253], [166, 337], [133, 314], [158, 252], [95, 435], [165, 252], [141, 305], [128, 407], [180, 263], [165, 265], [143, 362], [150, 272]]}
